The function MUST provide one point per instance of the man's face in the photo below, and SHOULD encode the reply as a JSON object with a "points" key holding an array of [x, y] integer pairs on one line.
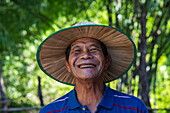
{"points": [[86, 60]]}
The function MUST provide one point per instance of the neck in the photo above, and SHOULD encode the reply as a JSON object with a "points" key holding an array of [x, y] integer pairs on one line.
{"points": [[89, 93]]}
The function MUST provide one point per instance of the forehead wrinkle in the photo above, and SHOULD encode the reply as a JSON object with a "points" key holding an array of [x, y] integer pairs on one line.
{"points": [[95, 45], [90, 44]]}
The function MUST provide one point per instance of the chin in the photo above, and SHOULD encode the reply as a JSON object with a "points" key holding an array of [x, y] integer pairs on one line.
{"points": [[92, 77]]}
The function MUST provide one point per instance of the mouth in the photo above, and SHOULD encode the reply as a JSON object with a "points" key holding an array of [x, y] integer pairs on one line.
{"points": [[82, 66]]}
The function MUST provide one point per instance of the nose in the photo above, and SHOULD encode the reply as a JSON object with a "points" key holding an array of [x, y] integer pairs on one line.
{"points": [[86, 55]]}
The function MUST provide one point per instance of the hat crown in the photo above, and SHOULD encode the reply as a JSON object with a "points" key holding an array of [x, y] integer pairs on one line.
{"points": [[84, 23]]}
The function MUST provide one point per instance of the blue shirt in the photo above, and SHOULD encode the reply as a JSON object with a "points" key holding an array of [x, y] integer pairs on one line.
{"points": [[112, 102]]}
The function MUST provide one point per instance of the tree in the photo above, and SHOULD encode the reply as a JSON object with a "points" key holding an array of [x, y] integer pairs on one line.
{"points": [[23, 25]]}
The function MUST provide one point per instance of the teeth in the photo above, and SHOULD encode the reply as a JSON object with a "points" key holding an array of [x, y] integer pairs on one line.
{"points": [[86, 66]]}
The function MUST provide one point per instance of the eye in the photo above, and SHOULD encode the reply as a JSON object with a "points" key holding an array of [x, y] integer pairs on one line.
{"points": [[93, 49], [77, 51]]}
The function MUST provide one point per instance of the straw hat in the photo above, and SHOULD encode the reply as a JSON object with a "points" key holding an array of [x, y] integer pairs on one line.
{"points": [[51, 52]]}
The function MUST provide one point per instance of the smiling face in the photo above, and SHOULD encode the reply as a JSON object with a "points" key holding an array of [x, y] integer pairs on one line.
{"points": [[86, 60]]}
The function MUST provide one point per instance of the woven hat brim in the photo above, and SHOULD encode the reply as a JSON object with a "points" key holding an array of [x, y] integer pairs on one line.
{"points": [[51, 52]]}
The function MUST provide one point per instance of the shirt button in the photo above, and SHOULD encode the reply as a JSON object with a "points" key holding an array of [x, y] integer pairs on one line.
{"points": [[83, 109]]}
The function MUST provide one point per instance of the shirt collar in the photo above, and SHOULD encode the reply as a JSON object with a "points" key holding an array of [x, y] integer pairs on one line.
{"points": [[108, 99], [72, 101]]}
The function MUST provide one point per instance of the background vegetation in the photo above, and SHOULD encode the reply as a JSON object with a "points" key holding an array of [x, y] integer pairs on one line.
{"points": [[25, 23]]}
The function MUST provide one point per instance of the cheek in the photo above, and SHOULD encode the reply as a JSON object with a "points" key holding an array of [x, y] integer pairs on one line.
{"points": [[101, 59], [72, 60]]}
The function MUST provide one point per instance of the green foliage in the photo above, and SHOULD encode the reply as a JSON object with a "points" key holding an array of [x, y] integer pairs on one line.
{"points": [[24, 24], [161, 95]]}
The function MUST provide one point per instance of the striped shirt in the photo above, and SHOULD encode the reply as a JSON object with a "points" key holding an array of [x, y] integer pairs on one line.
{"points": [[112, 102]]}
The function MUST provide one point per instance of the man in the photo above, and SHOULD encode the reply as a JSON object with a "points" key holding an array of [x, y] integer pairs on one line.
{"points": [[88, 55]]}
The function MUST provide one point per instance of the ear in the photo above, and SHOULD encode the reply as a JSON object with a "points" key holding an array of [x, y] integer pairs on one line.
{"points": [[67, 66], [108, 61]]}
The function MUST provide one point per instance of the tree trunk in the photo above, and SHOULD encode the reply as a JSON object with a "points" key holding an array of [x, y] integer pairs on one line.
{"points": [[109, 12], [2, 89], [143, 80]]}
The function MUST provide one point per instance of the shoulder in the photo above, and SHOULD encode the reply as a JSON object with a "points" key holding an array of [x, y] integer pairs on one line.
{"points": [[123, 96], [57, 105], [122, 100]]}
